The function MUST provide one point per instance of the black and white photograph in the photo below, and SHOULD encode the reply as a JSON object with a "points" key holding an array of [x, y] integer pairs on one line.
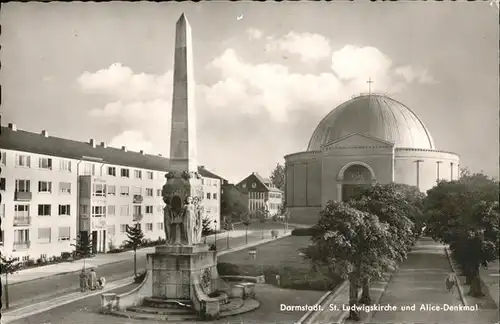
{"points": [[295, 162]]}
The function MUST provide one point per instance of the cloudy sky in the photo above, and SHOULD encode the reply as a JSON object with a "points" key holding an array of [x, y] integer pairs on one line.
{"points": [[266, 73]]}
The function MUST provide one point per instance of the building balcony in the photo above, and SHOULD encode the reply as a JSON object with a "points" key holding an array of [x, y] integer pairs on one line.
{"points": [[22, 221], [137, 218], [19, 246], [138, 199], [22, 196]]}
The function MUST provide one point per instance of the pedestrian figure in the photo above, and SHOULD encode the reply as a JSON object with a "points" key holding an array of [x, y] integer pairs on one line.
{"points": [[101, 282], [83, 281], [92, 279], [450, 281]]}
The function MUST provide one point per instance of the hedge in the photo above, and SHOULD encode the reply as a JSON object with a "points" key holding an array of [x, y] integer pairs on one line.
{"points": [[290, 277], [309, 231]]}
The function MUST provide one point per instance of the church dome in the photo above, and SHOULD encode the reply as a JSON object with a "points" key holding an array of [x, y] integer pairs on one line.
{"points": [[376, 115]]}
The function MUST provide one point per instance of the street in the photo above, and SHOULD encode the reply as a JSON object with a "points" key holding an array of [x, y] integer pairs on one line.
{"points": [[50, 287]]}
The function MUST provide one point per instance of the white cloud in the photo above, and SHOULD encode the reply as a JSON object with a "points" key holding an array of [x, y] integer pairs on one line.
{"points": [[411, 74], [310, 47], [133, 140], [254, 33]]}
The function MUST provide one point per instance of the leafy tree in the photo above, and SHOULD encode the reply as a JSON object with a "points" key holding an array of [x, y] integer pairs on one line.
{"points": [[465, 215], [83, 245], [351, 244], [206, 226], [135, 236], [391, 206], [233, 202], [277, 177], [8, 266], [246, 219]]}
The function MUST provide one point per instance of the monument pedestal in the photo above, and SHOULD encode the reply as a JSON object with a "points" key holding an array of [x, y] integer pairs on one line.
{"points": [[176, 269]]}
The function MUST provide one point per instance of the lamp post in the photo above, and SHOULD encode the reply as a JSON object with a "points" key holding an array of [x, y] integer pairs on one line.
{"points": [[215, 221]]}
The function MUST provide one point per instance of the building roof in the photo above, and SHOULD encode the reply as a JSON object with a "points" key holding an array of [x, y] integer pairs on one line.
{"points": [[208, 174], [19, 140], [263, 182], [375, 115]]}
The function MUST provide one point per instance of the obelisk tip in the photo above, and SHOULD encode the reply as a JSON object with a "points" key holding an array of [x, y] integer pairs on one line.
{"points": [[182, 18]]}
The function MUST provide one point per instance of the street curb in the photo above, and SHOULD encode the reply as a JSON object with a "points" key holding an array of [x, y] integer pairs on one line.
{"points": [[457, 281], [79, 296], [117, 284], [326, 298]]}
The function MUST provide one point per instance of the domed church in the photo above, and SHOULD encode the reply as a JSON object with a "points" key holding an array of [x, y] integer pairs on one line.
{"points": [[369, 139]]}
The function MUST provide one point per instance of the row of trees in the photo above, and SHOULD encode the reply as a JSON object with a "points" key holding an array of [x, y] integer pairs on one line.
{"points": [[364, 238], [465, 215]]}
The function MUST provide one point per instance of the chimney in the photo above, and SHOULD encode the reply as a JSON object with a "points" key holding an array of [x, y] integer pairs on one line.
{"points": [[202, 166], [92, 142], [45, 133], [103, 144], [142, 152], [13, 127], [124, 148]]}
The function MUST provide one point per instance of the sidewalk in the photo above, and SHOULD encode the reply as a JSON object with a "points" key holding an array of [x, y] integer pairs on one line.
{"points": [[15, 314], [98, 260], [490, 278], [420, 280]]}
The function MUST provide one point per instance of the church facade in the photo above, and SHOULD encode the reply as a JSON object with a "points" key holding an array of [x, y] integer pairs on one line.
{"points": [[369, 139]]}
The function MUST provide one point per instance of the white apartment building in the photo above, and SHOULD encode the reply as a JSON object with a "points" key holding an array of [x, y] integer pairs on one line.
{"points": [[54, 188]]}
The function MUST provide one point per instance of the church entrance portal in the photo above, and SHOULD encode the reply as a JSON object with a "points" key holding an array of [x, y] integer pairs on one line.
{"points": [[355, 179]]}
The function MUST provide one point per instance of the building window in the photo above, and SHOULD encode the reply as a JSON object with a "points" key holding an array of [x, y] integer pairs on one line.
{"points": [[22, 186], [149, 174], [112, 171], [159, 208], [111, 190], [3, 158], [208, 195], [159, 226], [244, 185], [209, 182], [138, 225], [2, 184], [149, 192], [124, 191], [137, 211], [45, 163], [158, 192], [2, 210], [214, 196], [123, 228], [124, 210], [65, 210], [99, 190], [21, 238], [111, 210], [65, 165], [65, 187], [44, 186], [88, 169], [138, 174], [21, 210], [64, 233], [202, 181], [98, 211], [149, 209], [1, 238], [149, 227], [125, 173], [136, 190], [254, 185], [44, 210], [44, 235], [111, 230], [23, 161]]}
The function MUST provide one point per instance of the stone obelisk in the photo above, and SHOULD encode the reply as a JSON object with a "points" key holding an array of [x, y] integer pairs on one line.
{"points": [[183, 155]]}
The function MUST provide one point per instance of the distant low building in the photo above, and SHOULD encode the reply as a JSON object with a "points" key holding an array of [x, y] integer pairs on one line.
{"points": [[261, 194]]}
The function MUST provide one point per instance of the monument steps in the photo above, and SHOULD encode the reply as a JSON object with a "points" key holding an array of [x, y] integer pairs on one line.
{"points": [[177, 318], [167, 303], [161, 311]]}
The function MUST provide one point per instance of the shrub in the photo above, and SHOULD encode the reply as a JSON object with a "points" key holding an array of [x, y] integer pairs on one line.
{"points": [[65, 255], [213, 247], [115, 251], [30, 263], [140, 277], [303, 231]]}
